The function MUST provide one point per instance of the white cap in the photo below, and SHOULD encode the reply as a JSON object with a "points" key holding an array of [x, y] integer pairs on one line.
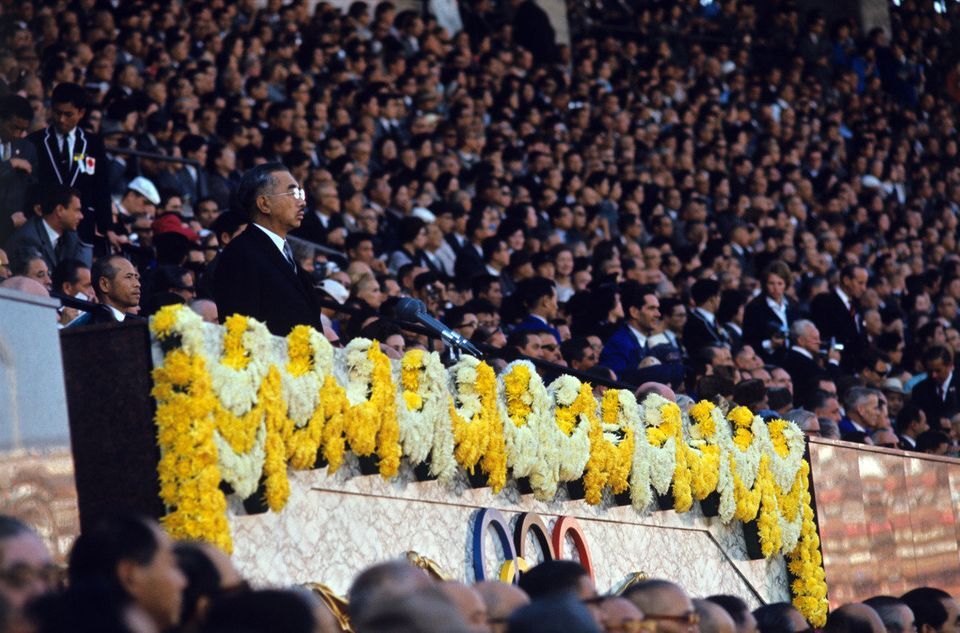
{"points": [[145, 188], [424, 214], [335, 289]]}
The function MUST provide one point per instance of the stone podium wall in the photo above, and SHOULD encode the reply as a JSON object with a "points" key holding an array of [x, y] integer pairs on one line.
{"points": [[334, 526]]}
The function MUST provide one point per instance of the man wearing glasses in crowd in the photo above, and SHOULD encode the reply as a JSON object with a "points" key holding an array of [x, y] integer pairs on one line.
{"points": [[26, 568], [258, 275]]}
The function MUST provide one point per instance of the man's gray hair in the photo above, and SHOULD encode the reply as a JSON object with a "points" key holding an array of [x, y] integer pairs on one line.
{"points": [[255, 182], [801, 417], [857, 396], [799, 328]]}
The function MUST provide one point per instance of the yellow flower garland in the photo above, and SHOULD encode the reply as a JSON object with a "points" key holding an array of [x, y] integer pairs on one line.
{"points": [[609, 463], [189, 411], [371, 426], [809, 587], [188, 471]]}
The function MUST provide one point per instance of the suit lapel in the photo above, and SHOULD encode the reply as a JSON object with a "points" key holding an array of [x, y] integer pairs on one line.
{"points": [[48, 252], [79, 149], [280, 262], [53, 152]]}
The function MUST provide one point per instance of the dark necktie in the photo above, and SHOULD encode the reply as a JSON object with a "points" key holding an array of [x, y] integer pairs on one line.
{"points": [[65, 158], [288, 254]]}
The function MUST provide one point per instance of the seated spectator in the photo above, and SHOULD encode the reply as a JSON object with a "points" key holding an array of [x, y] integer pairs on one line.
{"points": [[117, 284], [779, 617], [663, 602], [628, 345], [53, 235], [893, 612], [131, 559], [742, 617], [502, 600], [852, 618], [933, 609], [27, 569], [713, 617]]}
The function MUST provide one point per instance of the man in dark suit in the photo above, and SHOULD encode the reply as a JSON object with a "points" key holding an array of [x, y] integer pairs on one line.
{"points": [[18, 163], [53, 236], [117, 284], [533, 31], [68, 155], [319, 222], [835, 315], [540, 298], [702, 329], [257, 274], [937, 394], [628, 346], [470, 256], [801, 361]]}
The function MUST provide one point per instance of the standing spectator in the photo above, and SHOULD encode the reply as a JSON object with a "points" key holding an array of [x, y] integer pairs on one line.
{"points": [[18, 163], [937, 395], [533, 31], [70, 156], [836, 314], [770, 312], [702, 328]]}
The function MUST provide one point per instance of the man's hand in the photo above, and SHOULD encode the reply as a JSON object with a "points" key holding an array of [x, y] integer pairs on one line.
{"points": [[21, 164], [116, 241], [833, 356], [18, 219]]}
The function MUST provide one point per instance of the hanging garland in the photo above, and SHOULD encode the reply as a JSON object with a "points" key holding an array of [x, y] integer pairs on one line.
{"points": [[231, 406]]}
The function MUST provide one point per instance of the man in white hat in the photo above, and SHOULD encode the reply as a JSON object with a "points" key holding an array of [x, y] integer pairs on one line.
{"points": [[140, 199]]}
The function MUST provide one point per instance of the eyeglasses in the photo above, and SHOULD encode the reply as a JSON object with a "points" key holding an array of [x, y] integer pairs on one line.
{"points": [[20, 576], [631, 626], [689, 617], [297, 192]]}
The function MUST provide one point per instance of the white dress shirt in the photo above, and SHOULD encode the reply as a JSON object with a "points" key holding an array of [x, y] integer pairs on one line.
{"points": [[276, 239], [53, 235]]}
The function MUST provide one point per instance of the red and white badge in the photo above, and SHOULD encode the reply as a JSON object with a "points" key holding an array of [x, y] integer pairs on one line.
{"points": [[90, 165]]}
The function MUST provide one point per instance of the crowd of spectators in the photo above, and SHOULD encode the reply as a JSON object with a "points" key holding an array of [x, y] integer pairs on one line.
{"points": [[124, 575], [739, 200]]}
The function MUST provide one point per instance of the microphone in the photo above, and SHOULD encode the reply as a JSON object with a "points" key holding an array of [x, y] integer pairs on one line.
{"points": [[413, 310]]}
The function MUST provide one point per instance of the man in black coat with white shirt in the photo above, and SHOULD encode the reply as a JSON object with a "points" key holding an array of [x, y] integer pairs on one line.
{"points": [[701, 329], [69, 155], [18, 163], [801, 361], [837, 317], [53, 236], [257, 275], [937, 394]]}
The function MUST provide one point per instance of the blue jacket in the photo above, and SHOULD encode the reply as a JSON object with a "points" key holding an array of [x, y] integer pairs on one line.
{"points": [[531, 322], [622, 352]]}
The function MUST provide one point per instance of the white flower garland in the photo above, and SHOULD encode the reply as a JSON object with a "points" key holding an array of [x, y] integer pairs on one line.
{"points": [[427, 432], [359, 370], [302, 393], [237, 389], [728, 503], [242, 472], [662, 459], [560, 458], [523, 442]]}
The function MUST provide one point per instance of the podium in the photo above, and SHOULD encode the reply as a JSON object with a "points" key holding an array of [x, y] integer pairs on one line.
{"points": [[107, 373]]}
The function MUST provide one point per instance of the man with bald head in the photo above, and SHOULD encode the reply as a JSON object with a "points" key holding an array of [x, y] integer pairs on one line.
{"points": [[666, 603], [713, 618], [853, 618], [502, 600], [619, 614], [25, 284], [894, 613], [382, 583], [468, 603], [738, 610]]}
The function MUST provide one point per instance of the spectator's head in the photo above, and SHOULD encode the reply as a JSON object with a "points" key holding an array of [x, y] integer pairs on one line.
{"points": [[854, 618], [539, 297], [938, 361], [116, 282], [894, 613], [31, 265], [263, 611], [359, 247], [468, 602], [578, 353], [713, 618], [502, 600], [779, 617], [863, 407], [68, 105], [227, 226], [526, 342], [706, 294], [15, 116], [132, 558], [4, 265], [664, 602], [558, 576], [26, 567], [743, 619], [911, 421], [488, 287], [933, 442], [141, 197], [209, 573], [640, 306], [853, 281], [806, 336], [270, 197], [561, 612], [383, 583], [72, 278], [776, 280], [933, 609]]}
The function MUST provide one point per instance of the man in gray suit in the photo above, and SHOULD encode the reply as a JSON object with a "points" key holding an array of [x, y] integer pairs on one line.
{"points": [[18, 163], [54, 235]]}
